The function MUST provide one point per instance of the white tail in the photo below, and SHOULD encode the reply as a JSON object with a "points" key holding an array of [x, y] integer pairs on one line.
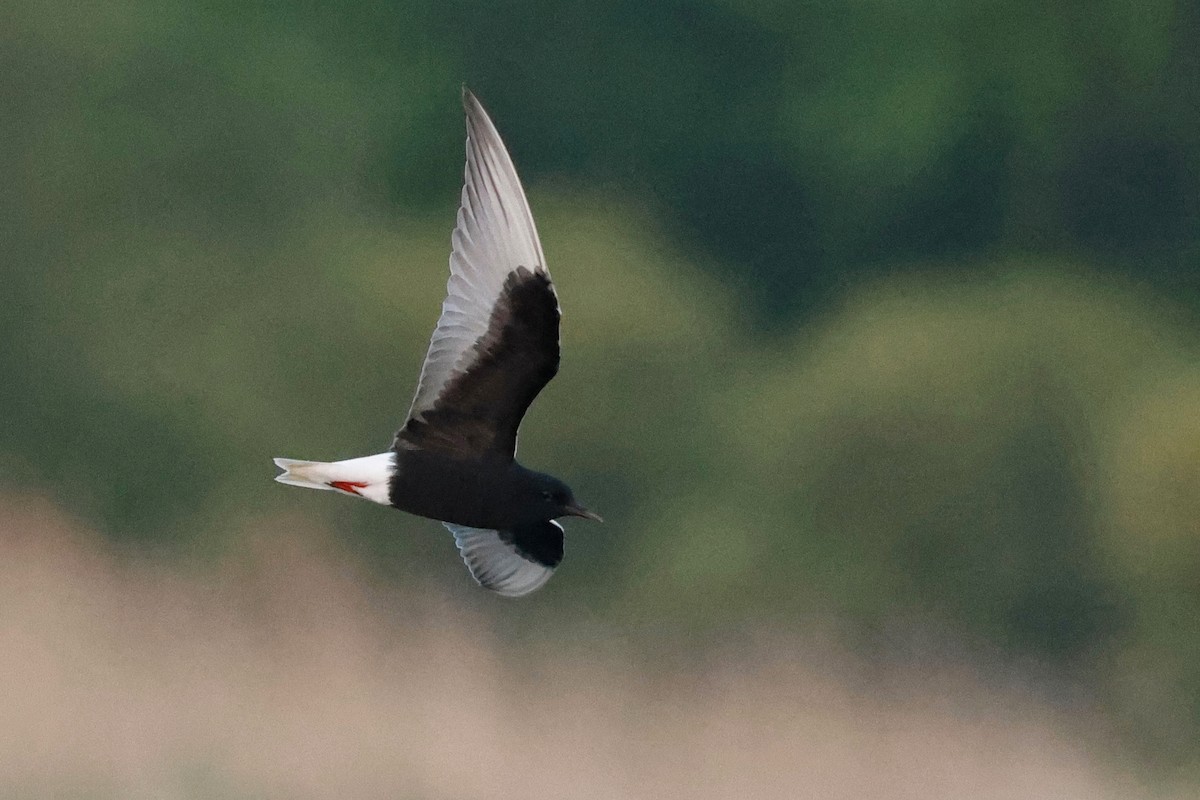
{"points": [[301, 473], [362, 477]]}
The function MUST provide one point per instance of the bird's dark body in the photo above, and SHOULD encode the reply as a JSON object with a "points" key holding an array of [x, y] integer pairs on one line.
{"points": [[489, 493], [482, 493], [495, 347], [454, 461]]}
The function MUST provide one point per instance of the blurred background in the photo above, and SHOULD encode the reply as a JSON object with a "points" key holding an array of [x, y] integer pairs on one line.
{"points": [[880, 360]]}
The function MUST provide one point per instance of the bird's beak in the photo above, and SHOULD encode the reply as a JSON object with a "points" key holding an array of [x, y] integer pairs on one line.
{"points": [[580, 511]]}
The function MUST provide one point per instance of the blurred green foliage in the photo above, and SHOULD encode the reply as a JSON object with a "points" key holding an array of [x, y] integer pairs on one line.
{"points": [[881, 311]]}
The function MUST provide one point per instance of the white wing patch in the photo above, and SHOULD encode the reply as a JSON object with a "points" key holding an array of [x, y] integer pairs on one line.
{"points": [[495, 235], [496, 564]]}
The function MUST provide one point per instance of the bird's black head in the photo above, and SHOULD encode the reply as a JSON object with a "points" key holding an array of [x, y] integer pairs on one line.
{"points": [[553, 499]]}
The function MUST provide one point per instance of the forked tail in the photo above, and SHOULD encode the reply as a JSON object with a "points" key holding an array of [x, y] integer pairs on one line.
{"points": [[309, 474], [367, 477]]}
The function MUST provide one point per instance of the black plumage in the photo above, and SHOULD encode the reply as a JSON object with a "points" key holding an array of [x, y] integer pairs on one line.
{"points": [[478, 412], [495, 347]]}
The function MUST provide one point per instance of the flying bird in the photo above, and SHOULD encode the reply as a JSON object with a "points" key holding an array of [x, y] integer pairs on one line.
{"points": [[495, 347]]}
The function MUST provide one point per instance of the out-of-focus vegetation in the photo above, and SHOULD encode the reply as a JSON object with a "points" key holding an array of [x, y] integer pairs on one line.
{"points": [[876, 313], [287, 670]]}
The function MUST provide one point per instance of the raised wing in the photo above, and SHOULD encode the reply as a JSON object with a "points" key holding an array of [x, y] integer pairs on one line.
{"points": [[511, 563], [496, 342]]}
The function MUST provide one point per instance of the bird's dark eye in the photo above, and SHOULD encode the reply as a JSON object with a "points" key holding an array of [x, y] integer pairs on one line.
{"points": [[547, 495]]}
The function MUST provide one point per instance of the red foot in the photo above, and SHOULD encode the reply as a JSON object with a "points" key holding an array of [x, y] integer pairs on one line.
{"points": [[348, 486]]}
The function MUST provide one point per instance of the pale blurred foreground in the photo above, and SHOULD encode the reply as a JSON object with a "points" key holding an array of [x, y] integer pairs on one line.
{"points": [[284, 672]]}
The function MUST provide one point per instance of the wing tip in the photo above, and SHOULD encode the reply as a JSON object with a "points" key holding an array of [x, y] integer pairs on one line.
{"points": [[474, 108], [482, 132]]}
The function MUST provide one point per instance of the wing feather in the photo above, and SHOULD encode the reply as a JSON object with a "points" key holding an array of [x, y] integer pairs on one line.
{"points": [[495, 235], [511, 563], [496, 343]]}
